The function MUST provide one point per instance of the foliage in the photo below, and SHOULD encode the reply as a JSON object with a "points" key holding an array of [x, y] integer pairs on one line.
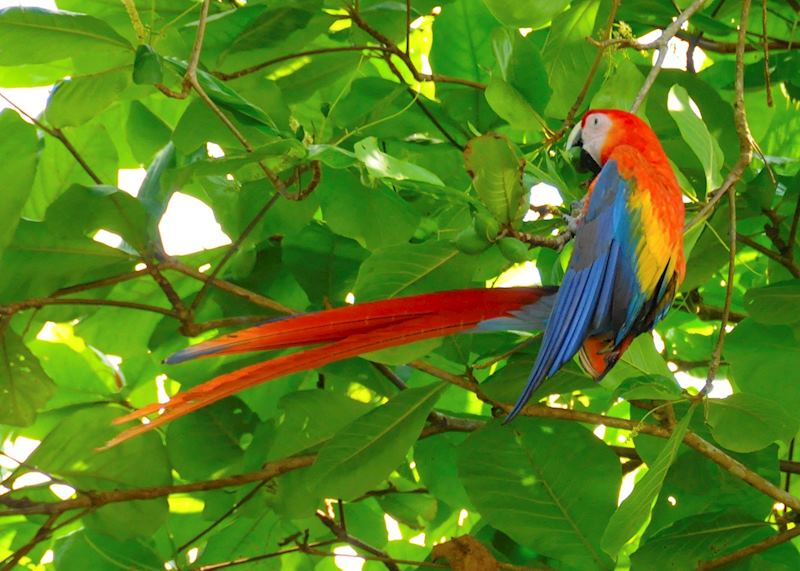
{"points": [[366, 157]]}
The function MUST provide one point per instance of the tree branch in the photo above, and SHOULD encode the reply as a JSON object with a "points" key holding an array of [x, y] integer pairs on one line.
{"points": [[750, 549], [99, 498]]}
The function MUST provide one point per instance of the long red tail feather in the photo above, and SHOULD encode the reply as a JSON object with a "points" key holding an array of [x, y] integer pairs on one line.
{"points": [[349, 331]]}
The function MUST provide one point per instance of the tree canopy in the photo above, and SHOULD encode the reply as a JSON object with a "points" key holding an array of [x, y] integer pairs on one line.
{"points": [[365, 150]]}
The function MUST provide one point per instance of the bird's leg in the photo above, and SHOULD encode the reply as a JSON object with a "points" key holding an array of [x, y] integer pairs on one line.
{"points": [[574, 218]]}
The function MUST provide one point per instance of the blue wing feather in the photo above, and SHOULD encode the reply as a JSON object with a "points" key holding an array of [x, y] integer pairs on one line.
{"points": [[600, 291]]}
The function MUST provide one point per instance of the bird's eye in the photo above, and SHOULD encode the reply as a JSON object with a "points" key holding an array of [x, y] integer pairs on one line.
{"points": [[595, 120]]}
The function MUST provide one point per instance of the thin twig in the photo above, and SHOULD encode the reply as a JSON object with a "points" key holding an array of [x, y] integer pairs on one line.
{"points": [[99, 498], [759, 547], [786, 262], [742, 128], [58, 134], [569, 120], [228, 287], [716, 355], [232, 249], [256, 558], [42, 533], [765, 43], [341, 534], [661, 44], [296, 55], [36, 303], [247, 497]]}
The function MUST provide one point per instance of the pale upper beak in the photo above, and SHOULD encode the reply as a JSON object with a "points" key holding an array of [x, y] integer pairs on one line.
{"points": [[575, 139]]}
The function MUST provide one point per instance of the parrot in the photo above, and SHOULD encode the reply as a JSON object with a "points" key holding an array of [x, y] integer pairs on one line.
{"points": [[626, 265]]}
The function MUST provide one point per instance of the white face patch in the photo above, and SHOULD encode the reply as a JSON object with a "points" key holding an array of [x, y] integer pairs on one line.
{"points": [[594, 133]]}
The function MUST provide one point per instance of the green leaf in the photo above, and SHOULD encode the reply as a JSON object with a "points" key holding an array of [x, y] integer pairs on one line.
{"points": [[436, 462], [520, 478], [49, 36], [509, 104], [39, 261], [322, 262], [745, 423], [229, 100], [462, 47], [519, 89], [58, 169], [412, 268], [272, 26], [526, 13], [147, 134], [768, 305], [97, 551], [147, 68], [761, 359], [363, 453], [71, 450], [699, 538], [695, 133], [88, 209], [351, 209], [567, 54], [653, 387], [209, 442], [76, 100], [311, 418], [381, 165], [620, 88], [496, 172], [19, 147], [24, 386], [632, 514]]}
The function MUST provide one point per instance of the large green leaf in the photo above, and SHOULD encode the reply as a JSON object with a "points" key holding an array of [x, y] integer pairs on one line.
{"points": [[412, 268], [35, 35], [352, 209], [58, 168], [700, 538], [746, 423], [210, 442], [526, 13], [381, 165], [71, 451], [696, 135], [462, 47], [761, 357], [520, 478], [88, 209], [76, 100], [363, 453], [40, 260], [19, 147], [568, 55], [768, 305], [97, 551], [519, 89], [496, 171], [273, 25], [24, 386], [635, 509], [311, 418]]}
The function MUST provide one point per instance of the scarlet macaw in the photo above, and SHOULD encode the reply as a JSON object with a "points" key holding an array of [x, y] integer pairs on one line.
{"points": [[626, 265]]}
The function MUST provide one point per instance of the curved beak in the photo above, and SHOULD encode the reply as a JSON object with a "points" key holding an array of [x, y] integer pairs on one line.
{"points": [[575, 138], [586, 163]]}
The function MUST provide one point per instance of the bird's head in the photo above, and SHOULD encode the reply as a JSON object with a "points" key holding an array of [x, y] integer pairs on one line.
{"points": [[602, 130]]}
